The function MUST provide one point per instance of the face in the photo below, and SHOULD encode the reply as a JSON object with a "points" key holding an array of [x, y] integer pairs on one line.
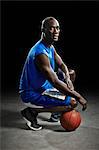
{"points": [[52, 30]]}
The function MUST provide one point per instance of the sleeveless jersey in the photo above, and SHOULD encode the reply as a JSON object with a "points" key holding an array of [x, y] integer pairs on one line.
{"points": [[32, 79]]}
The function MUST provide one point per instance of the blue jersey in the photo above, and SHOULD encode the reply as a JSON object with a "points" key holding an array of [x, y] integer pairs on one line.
{"points": [[32, 79]]}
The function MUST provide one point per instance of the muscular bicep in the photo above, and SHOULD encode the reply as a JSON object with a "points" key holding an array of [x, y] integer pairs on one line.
{"points": [[58, 59], [44, 66]]}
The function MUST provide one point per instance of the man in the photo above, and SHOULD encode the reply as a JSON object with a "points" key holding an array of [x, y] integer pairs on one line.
{"points": [[38, 76]]}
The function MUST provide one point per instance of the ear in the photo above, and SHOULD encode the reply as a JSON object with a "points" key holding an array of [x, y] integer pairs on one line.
{"points": [[43, 30]]}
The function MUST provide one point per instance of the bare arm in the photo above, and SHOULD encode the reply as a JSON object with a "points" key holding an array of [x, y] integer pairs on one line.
{"points": [[61, 64], [64, 68], [43, 64]]}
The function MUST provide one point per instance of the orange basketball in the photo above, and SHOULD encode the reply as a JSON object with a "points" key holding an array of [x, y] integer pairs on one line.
{"points": [[70, 120]]}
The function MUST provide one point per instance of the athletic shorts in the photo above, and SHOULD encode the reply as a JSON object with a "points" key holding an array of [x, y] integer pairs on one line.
{"points": [[44, 100]]}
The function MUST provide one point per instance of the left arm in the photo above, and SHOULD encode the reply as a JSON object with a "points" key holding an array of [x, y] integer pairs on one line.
{"points": [[64, 68]]}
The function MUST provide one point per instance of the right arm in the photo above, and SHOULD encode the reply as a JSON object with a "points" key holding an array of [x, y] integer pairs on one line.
{"points": [[43, 65]]}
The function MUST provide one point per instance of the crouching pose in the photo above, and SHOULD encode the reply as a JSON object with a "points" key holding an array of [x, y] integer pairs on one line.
{"points": [[41, 88]]}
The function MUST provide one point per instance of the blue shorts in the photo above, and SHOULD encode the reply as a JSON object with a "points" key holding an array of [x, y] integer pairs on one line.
{"points": [[43, 100]]}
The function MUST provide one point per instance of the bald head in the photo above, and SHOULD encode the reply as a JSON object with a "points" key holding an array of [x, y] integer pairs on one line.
{"points": [[46, 22]]}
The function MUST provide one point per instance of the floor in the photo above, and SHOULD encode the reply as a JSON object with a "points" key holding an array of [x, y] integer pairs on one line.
{"points": [[15, 135]]}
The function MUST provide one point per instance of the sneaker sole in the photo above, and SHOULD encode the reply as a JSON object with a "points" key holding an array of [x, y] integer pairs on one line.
{"points": [[53, 120], [28, 123]]}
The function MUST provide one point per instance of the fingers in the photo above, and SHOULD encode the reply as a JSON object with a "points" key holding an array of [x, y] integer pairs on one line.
{"points": [[84, 107]]}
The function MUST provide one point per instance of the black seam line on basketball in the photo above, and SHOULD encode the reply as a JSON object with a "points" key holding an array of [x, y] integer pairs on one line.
{"points": [[70, 119]]}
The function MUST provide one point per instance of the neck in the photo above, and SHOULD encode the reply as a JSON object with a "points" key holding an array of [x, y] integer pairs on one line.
{"points": [[47, 42]]}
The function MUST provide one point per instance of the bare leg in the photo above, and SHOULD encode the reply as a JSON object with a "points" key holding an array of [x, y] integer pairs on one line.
{"points": [[58, 108], [54, 109]]}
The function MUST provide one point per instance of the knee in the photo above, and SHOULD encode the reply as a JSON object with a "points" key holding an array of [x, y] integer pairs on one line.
{"points": [[72, 75], [73, 103]]}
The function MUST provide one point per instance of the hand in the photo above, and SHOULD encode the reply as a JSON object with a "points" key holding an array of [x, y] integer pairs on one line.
{"points": [[84, 107], [83, 102], [80, 99]]}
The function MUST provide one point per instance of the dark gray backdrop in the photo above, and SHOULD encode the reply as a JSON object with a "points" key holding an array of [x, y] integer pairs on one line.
{"points": [[77, 45]]}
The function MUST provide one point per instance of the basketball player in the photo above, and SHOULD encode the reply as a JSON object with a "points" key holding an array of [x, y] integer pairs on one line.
{"points": [[38, 77]]}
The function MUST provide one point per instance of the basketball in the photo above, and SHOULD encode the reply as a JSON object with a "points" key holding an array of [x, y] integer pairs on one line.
{"points": [[70, 120]]}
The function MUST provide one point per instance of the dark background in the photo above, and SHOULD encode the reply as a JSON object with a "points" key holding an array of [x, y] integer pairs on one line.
{"points": [[78, 43]]}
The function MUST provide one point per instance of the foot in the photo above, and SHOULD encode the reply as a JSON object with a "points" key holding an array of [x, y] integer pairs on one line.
{"points": [[55, 117], [30, 118]]}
